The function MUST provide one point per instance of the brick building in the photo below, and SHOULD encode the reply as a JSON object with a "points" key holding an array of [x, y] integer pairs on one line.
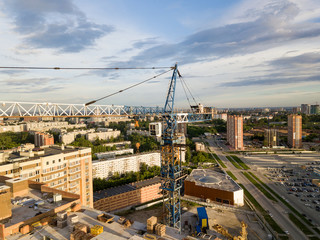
{"points": [[295, 131], [209, 184], [43, 139], [16, 197], [127, 195], [68, 169], [235, 131]]}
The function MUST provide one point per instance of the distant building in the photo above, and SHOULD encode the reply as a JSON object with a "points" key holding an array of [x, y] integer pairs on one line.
{"points": [[105, 135], [271, 138], [43, 139], [104, 168], [296, 110], [200, 146], [67, 169], [155, 129], [314, 109], [305, 108], [295, 131], [113, 154], [211, 185], [235, 131], [222, 116]]}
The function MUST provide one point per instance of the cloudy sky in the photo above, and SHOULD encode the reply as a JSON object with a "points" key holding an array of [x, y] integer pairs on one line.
{"points": [[235, 53]]}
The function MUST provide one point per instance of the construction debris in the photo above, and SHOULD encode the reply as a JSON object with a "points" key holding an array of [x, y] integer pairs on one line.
{"points": [[105, 218]]}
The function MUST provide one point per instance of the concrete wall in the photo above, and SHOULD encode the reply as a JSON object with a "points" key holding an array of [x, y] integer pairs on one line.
{"points": [[5, 202]]}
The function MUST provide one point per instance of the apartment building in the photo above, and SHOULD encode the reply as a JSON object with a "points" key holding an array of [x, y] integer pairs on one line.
{"points": [[43, 139], [305, 108], [39, 126], [295, 131], [104, 135], [104, 168], [67, 169], [271, 137], [235, 131]]}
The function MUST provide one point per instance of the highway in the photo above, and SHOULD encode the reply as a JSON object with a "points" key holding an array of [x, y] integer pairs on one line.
{"points": [[276, 210]]}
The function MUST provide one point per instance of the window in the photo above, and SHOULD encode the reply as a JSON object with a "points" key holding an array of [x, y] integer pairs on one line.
{"points": [[53, 161], [47, 163], [59, 160]]}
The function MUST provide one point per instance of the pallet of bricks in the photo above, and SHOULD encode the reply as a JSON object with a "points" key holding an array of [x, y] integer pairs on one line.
{"points": [[62, 219], [160, 229], [72, 221], [81, 232], [151, 222]]}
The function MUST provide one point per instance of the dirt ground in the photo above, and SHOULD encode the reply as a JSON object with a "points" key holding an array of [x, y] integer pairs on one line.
{"points": [[227, 219]]}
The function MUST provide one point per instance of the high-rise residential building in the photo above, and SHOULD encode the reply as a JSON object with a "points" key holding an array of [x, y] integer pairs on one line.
{"points": [[68, 169], [235, 131], [43, 139], [314, 109], [305, 108], [295, 131], [296, 110], [271, 137]]}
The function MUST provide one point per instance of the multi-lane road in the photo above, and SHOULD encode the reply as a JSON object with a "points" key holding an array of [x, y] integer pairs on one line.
{"points": [[276, 209]]}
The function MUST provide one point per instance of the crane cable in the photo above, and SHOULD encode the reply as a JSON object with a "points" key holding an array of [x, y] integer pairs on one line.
{"points": [[83, 68], [185, 84], [185, 92], [132, 86]]}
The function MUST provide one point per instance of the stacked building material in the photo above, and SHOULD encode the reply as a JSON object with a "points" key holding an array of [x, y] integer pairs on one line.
{"points": [[62, 219], [160, 229], [77, 235], [72, 220], [96, 230], [151, 222], [81, 226]]}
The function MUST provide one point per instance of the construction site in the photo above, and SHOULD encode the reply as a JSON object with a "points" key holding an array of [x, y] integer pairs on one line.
{"points": [[176, 218]]}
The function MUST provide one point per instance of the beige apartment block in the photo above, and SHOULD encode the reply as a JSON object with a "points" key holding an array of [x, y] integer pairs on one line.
{"points": [[295, 131], [67, 169], [235, 131], [104, 168], [103, 135]]}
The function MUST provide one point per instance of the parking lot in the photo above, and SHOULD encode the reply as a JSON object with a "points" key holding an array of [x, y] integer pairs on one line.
{"points": [[297, 182]]}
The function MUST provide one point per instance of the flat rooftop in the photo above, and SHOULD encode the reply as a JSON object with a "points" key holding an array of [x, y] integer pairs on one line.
{"points": [[48, 151], [124, 188], [88, 216], [23, 206], [212, 179]]}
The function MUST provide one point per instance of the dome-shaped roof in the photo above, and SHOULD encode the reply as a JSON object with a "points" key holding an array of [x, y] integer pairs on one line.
{"points": [[209, 180]]}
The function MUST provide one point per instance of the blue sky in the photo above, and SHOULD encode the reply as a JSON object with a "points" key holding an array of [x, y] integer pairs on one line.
{"points": [[231, 53]]}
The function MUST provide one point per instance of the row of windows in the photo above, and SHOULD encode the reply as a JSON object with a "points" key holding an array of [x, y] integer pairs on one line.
{"points": [[51, 169], [53, 161]]}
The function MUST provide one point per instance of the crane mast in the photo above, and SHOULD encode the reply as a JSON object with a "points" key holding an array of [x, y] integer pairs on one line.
{"points": [[171, 173]]}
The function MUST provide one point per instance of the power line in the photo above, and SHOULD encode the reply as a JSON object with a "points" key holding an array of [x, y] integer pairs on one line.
{"points": [[132, 86], [83, 68]]}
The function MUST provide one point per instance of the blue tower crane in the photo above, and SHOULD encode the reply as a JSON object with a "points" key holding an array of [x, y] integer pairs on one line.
{"points": [[171, 173]]}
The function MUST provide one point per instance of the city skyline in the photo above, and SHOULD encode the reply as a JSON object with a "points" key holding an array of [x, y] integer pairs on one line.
{"points": [[236, 54]]}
